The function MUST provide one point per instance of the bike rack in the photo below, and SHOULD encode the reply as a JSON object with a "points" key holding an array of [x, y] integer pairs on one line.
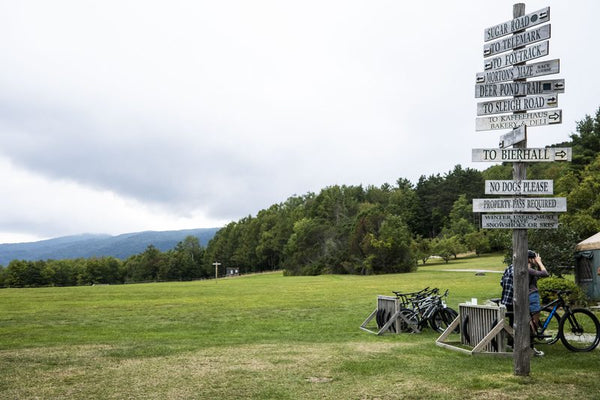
{"points": [[391, 307], [483, 330]]}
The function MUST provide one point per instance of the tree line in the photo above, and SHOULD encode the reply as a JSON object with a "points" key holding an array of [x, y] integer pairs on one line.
{"points": [[359, 230]]}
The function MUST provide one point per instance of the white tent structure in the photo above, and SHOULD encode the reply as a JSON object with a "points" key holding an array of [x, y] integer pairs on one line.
{"points": [[587, 269]]}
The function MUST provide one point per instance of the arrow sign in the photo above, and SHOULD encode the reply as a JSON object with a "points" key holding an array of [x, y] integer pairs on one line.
{"points": [[519, 72], [546, 154], [515, 136], [517, 24], [512, 121], [517, 40], [519, 187], [520, 88], [517, 104], [521, 204], [519, 56], [519, 221]]}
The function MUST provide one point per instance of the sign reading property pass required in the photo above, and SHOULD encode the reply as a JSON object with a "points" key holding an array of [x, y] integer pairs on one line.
{"points": [[521, 204]]}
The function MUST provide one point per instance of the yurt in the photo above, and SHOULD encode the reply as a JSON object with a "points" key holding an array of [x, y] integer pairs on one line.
{"points": [[587, 267]]}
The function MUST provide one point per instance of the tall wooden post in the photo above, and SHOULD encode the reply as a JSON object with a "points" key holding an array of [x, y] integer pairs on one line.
{"points": [[216, 264], [522, 354]]}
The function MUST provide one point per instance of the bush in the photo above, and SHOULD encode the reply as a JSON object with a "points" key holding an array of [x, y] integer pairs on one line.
{"points": [[548, 286]]}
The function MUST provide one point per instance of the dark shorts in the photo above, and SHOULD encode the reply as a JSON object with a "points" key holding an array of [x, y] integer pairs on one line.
{"points": [[534, 302]]}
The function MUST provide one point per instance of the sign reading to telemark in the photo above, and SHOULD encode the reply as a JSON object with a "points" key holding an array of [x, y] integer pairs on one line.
{"points": [[546, 154], [522, 187], [519, 72], [521, 204], [519, 221], [517, 104], [512, 121], [517, 24]]}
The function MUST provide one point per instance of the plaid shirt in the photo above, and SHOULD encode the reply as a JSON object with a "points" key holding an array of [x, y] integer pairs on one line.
{"points": [[507, 286]]}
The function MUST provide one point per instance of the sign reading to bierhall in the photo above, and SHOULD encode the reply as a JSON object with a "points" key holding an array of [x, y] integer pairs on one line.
{"points": [[546, 154]]}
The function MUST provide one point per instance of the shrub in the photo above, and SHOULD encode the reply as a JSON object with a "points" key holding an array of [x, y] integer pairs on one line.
{"points": [[548, 286]]}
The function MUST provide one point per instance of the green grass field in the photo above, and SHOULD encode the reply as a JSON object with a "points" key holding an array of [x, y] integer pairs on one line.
{"points": [[261, 337]]}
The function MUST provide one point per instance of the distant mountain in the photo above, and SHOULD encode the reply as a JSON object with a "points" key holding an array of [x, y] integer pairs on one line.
{"points": [[90, 245]]}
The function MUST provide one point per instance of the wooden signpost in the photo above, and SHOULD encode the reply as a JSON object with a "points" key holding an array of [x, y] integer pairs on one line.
{"points": [[511, 45]]}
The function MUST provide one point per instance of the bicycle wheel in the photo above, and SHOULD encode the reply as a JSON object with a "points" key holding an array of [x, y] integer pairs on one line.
{"points": [[442, 318], [408, 320], [579, 330], [550, 333]]}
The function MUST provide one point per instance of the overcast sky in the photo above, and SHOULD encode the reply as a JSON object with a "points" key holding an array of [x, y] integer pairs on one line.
{"points": [[124, 116]]}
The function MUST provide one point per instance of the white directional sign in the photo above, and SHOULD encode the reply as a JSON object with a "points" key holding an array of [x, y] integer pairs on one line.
{"points": [[520, 88], [521, 204], [518, 56], [515, 136], [517, 40], [519, 221], [522, 187], [517, 24], [546, 154], [517, 104], [512, 121], [519, 72]]}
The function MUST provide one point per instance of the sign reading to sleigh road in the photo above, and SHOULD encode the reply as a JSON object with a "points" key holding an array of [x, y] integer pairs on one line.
{"points": [[517, 104]]}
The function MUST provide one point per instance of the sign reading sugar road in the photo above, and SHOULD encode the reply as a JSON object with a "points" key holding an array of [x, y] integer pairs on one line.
{"points": [[519, 187], [519, 72], [517, 104], [517, 24], [546, 154], [519, 221], [512, 121], [517, 40], [520, 88], [521, 204], [518, 56]]}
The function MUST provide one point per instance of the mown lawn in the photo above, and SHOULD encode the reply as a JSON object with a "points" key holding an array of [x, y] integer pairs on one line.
{"points": [[260, 337]]}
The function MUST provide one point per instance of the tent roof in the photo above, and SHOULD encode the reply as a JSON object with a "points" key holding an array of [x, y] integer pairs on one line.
{"points": [[591, 243]]}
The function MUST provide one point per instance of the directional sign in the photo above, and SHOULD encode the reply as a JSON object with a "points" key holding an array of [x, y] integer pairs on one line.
{"points": [[520, 88], [515, 136], [517, 24], [519, 221], [546, 154], [517, 40], [521, 204], [512, 121], [518, 56], [519, 72], [522, 187], [517, 104]]}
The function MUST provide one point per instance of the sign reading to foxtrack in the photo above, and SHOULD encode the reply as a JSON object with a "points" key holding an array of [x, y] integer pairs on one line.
{"points": [[519, 221], [519, 72], [521, 204], [546, 154], [512, 121], [522, 187], [517, 40], [517, 104], [520, 88], [518, 56], [517, 135], [517, 24]]}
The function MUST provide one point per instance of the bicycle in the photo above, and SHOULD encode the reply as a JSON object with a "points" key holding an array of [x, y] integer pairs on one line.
{"points": [[423, 308], [577, 328]]}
